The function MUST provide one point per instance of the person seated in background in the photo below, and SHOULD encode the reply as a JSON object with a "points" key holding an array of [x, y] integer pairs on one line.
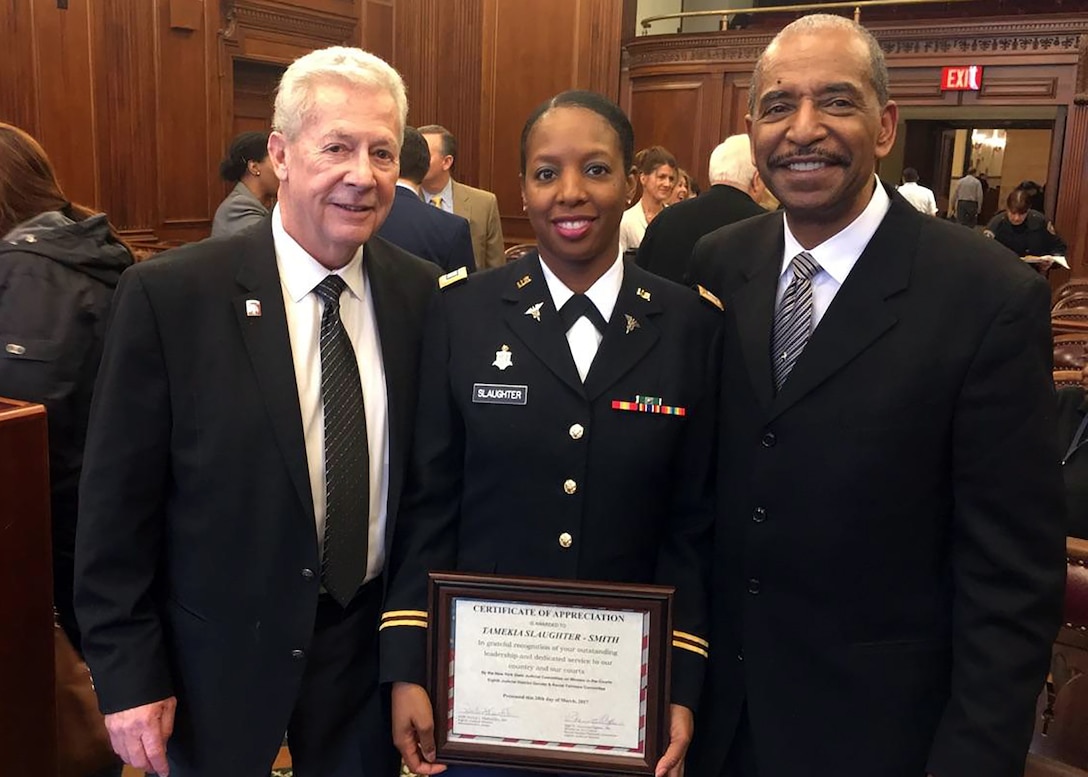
{"points": [[734, 194], [255, 185], [415, 226], [59, 265], [917, 195], [1024, 230], [657, 178], [682, 191], [1072, 436]]}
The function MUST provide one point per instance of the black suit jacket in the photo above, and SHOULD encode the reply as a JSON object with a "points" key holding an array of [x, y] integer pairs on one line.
{"points": [[429, 232], [196, 527], [487, 484], [889, 546], [666, 248]]}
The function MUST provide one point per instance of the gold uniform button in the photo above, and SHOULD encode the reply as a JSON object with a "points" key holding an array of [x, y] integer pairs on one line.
{"points": [[565, 540], [570, 486], [576, 431]]}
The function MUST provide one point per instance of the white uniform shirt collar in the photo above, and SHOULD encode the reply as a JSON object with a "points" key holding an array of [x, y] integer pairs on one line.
{"points": [[603, 293], [300, 272], [839, 253]]}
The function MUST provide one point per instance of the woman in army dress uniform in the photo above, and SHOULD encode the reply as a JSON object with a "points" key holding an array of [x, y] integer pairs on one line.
{"points": [[530, 454]]}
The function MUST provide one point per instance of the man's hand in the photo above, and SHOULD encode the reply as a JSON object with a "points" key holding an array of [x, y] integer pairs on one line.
{"points": [[681, 729], [413, 728], [139, 735]]}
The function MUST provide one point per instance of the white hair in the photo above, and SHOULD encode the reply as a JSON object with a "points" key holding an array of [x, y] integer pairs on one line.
{"points": [[351, 66], [817, 23], [731, 162]]}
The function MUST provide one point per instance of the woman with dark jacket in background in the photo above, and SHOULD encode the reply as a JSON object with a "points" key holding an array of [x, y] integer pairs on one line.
{"points": [[255, 185], [59, 265]]}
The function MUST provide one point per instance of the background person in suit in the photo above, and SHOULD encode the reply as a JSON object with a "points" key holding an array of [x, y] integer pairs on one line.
{"points": [[889, 552], [734, 191], [245, 458], [480, 207], [255, 185], [565, 485], [431, 233]]}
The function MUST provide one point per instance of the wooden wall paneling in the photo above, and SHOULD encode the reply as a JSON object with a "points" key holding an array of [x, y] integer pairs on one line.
{"points": [[64, 92], [680, 113], [18, 105], [185, 157], [376, 28], [521, 71], [735, 104], [1071, 218], [415, 39], [124, 77], [599, 31], [457, 63], [919, 86]]}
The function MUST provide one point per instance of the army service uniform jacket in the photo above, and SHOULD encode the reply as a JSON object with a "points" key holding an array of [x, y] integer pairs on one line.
{"points": [[520, 469]]}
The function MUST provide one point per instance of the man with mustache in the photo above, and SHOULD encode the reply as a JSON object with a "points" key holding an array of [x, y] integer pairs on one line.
{"points": [[889, 553], [245, 458]]}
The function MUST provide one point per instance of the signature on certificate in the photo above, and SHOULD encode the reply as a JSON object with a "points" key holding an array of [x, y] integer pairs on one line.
{"points": [[598, 720]]}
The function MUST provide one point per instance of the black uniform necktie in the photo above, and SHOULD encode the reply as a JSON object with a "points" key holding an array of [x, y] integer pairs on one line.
{"points": [[793, 319], [577, 306], [347, 460]]}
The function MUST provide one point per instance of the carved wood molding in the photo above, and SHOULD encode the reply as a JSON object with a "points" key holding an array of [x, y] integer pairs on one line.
{"points": [[286, 20], [1049, 35]]}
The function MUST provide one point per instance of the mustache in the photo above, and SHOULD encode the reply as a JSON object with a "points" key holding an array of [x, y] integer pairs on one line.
{"points": [[807, 153]]}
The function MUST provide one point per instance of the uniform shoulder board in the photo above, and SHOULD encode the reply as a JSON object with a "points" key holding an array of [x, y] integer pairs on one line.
{"points": [[709, 296], [453, 278]]}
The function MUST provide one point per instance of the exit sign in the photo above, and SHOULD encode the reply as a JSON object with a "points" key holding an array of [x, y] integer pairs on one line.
{"points": [[967, 78]]}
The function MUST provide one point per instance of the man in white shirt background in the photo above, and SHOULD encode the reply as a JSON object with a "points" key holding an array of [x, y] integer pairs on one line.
{"points": [[917, 195]]}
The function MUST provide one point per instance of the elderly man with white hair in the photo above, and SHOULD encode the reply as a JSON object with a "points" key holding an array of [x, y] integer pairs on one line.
{"points": [[246, 454], [734, 194]]}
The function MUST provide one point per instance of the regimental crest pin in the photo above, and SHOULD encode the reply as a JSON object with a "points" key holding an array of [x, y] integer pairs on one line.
{"points": [[632, 323], [253, 308], [503, 358], [534, 311]]}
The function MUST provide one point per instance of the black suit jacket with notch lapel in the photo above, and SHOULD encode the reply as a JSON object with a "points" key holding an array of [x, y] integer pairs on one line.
{"points": [[428, 232], [196, 519], [486, 489], [889, 545]]}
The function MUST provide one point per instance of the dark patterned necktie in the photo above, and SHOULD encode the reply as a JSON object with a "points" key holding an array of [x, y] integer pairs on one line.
{"points": [[347, 460], [793, 319], [577, 306]]}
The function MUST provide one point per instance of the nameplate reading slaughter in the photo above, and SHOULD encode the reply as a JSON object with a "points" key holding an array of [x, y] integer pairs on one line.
{"points": [[499, 394], [548, 676]]}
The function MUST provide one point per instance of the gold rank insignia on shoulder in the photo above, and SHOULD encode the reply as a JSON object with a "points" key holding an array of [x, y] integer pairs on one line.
{"points": [[451, 278], [709, 296], [641, 292], [525, 281]]}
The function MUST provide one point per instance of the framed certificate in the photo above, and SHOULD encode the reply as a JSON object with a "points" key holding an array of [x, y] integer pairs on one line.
{"points": [[553, 675]]}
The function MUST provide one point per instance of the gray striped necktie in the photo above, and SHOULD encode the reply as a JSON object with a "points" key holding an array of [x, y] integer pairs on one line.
{"points": [[347, 459], [793, 319]]}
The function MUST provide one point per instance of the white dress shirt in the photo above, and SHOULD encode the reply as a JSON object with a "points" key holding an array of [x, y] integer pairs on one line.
{"points": [[583, 337], [299, 274], [920, 197], [836, 256], [446, 194]]}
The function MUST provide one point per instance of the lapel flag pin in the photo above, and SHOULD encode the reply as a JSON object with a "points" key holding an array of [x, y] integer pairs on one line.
{"points": [[503, 358], [534, 311], [253, 308], [525, 281], [643, 293], [632, 323]]}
